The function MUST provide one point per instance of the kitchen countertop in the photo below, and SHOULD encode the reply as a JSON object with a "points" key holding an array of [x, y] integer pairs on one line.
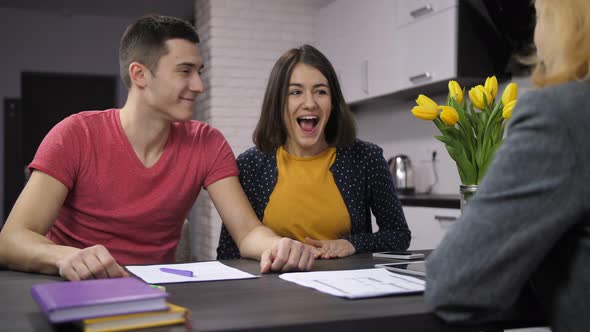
{"points": [[430, 200]]}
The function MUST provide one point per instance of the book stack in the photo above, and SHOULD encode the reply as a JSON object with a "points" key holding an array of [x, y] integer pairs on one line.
{"points": [[102, 305]]}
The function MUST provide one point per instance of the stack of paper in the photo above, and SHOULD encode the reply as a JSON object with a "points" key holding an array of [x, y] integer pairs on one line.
{"points": [[356, 284], [201, 271]]}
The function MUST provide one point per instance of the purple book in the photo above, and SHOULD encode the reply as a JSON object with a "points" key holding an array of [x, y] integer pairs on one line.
{"points": [[77, 300]]}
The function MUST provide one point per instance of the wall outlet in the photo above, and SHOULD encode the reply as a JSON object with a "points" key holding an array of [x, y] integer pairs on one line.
{"points": [[428, 154]]}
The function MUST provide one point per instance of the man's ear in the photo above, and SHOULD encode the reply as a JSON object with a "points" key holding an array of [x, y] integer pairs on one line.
{"points": [[138, 74]]}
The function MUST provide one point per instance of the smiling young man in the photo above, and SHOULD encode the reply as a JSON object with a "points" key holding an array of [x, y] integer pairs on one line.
{"points": [[113, 187]]}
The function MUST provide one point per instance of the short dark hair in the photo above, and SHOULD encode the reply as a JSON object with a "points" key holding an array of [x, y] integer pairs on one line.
{"points": [[144, 41], [270, 132]]}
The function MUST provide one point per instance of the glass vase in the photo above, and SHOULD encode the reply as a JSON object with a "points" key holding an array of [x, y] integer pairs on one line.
{"points": [[467, 191]]}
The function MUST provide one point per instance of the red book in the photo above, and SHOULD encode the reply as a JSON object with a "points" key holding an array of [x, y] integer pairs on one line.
{"points": [[77, 300]]}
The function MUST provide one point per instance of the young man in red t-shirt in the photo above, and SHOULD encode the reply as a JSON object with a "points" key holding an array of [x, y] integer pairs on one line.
{"points": [[113, 187]]}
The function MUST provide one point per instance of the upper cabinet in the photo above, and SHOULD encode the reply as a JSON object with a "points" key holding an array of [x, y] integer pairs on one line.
{"points": [[383, 47], [357, 38], [426, 41]]}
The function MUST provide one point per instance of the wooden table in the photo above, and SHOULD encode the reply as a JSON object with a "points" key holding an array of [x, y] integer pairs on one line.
{"points": [[267, 303]]}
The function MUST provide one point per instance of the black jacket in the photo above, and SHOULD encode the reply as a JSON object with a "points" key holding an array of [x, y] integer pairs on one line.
{"points": [[363, 178]]}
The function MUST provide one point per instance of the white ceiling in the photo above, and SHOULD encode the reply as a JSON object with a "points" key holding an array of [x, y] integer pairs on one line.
{"points": [[118, 8]]}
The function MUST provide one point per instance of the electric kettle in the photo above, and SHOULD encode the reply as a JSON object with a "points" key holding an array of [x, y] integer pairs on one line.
{"points": [[403, 174]]}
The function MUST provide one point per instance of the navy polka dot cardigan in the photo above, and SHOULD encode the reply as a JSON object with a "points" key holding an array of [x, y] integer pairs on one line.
{"points": [[363, 178]]}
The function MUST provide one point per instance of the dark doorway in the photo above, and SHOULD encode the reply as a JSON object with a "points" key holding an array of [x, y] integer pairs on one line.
{"points": [[14, 176], [46, 99]]}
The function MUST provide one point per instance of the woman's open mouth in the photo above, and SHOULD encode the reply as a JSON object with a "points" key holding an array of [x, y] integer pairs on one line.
{"points": [[307, 123]]}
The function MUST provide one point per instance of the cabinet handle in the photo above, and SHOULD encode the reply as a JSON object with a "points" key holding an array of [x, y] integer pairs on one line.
{"points": [[424, 76], [365, 76], [421, 11], [445, 218], [445, 221]]}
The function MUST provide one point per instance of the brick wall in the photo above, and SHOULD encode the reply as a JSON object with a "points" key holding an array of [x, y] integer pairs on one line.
{"points": [[240, 41]]}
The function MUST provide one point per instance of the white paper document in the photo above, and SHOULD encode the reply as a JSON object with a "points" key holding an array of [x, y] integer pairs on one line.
{"points": [[357, 284], [202, 271]]}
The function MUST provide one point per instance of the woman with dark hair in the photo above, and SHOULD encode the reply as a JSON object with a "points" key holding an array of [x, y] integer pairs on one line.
{"points": [[309, 178]]}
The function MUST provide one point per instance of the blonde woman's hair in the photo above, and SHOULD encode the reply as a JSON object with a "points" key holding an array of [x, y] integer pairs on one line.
{"points": [[566, 42]]}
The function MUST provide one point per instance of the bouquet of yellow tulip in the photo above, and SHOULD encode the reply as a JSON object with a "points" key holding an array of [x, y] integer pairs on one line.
{"points": [[471, 132]]}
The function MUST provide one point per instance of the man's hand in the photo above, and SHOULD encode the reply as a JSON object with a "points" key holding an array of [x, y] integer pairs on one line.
{"points": [[332, 248], [288, 255], [90, 263]]}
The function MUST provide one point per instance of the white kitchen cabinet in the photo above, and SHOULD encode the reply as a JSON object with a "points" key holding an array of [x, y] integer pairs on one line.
{"points": [[428, 225], [427, 49], [357, 36], [380, 47], [406, 47], [437, 41]]}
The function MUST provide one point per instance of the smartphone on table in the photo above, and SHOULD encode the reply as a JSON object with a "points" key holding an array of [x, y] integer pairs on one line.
{"points": [[417, 268], [398, 255]]}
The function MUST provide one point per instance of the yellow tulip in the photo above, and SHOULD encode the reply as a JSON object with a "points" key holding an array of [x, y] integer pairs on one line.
{"points": [[455, 91], [491, 86], [476, 94], [449, 115], [424, 113], [507, 110], [426, 102], [510, 93]]}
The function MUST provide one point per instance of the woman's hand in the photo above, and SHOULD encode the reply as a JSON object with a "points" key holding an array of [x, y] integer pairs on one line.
{"points": [[288, 255], [332, 248]]}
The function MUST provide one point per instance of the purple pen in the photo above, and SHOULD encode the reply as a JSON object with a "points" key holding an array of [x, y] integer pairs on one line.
{"points": [[184, 273]]}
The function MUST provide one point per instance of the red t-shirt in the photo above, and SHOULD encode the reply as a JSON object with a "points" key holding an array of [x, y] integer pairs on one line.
{"points": [[114, 200]]}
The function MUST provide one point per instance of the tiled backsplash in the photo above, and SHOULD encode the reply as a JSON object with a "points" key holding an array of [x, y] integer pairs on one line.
{"points": [[391, 125]]}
